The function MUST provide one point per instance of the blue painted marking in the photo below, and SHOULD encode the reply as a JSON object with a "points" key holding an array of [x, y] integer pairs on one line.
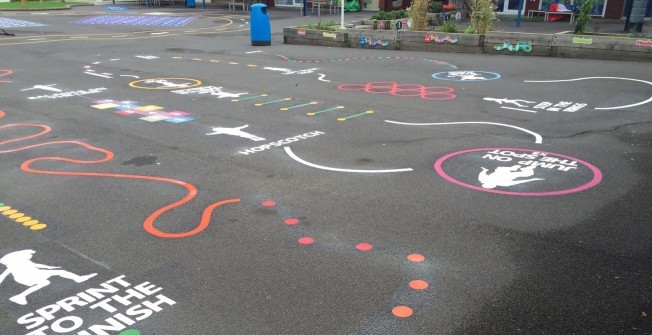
{"points": [[466, 75], [11, 23], [133, 20], [115, 8], [179, 119]]}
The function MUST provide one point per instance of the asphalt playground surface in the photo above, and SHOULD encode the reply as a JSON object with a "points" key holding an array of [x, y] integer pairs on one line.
{"points": [[371, 192]]}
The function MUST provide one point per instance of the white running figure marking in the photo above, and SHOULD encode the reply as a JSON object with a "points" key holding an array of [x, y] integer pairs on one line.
{"points": [[237, 131], [505, 176], [510, 101]]}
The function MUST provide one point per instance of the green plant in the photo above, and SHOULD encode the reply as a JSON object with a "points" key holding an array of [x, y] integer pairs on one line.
{"points": [[469, 30], [330, 25], [393, 15], [482, 15], [449, 27], [583, 18], [435, 7], [417, 12]]}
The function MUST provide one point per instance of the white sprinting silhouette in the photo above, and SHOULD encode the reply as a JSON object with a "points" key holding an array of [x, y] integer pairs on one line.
{"points": [[166, 83], [506, 176], [217, 91], [510, 101], [237, 131], [43, 87], [465, 75], [289, 71], [32, 274]]}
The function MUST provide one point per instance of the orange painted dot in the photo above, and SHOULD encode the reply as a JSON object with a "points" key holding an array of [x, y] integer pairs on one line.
{"points": [[269, 203], [416, 258], [291, 221], [418, 284], [306, 240], [38, 226], [364, 246], [402, 311]]}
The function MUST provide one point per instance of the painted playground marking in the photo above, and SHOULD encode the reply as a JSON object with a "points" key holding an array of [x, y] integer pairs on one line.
{"points": [[20, 217], [502, 171], [466, 76], [589, 78], [133, 20], [537, 138], [561, 106], [436, 93], [11, 23], [321, 167], [164, 83]]}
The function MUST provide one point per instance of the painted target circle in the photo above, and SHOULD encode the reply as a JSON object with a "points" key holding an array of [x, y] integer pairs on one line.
{"points": [[165, 83], [466, 75], [515, 171]]}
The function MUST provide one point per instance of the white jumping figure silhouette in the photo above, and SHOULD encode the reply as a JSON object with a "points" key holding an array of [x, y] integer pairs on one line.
{"points": [[505, 176], [237, 131], [510, 101], [466, 75], [32, 274], [166, 83]]}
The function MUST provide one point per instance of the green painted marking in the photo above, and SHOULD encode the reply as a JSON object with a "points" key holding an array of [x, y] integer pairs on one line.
{"points": [[2, 204], [355, 115], [274, 101], [298, 106], [130, 332], [325, 110], [247, 98]]}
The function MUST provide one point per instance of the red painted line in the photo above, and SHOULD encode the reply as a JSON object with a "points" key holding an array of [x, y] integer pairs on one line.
{"points": [[108, 155]]}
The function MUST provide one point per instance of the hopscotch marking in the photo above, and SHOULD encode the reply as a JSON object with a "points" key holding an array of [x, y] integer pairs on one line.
{"points": [[354, 116], [299, 106], [325, 110]]}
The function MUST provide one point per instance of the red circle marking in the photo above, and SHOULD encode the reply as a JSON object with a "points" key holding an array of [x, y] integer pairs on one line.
{"points": [[291, 221], [364, 246], [2, 113], [597, 175], [269, 203], [416, 258], [419, 284], [306, 240], [402, 311]]}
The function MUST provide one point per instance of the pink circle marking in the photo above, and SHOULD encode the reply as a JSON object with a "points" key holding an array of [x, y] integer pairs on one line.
{"points": [[597, 175]]}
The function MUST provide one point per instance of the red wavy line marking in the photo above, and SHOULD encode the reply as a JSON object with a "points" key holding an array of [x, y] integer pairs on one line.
{"points": [[108, 155], [5, 73]]}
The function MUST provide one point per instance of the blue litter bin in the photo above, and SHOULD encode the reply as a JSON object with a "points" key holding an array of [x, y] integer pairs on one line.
{"points": [[261, 33], [190, 3]]}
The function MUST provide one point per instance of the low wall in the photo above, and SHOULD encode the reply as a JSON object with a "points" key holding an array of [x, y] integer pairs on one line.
{"points": [[503, 43]]}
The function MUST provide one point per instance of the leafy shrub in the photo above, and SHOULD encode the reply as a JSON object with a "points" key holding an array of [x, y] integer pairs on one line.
{"points": [[393, 15], [582, 20], [330, 25], [417, 13], [482, 15], [435, 7], [468, 30], [449, 26]]}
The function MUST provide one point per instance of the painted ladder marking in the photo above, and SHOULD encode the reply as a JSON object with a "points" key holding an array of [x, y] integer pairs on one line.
{"points": [[324, 111], [247, 98], [537, 138], [272, 102], [293, 156], [355, 115], [298, 106]]}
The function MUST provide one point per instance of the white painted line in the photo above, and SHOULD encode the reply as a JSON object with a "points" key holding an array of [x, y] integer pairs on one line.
{"points": [[95, 63], [190, 31], [161, 33], [321, 77], [587, 78], [129, 75], [293, 156], [537, 137], [114, 59], [40, 13], [78, 37], [518, 109], [35, 39], [99, 75], [220, 29], [120, 36], [253, 52]]}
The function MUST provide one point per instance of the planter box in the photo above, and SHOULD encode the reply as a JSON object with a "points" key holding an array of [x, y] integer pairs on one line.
{"points": [[440, 42], [602, 47], [539, 44], [294, 35], [437, 19], [373, 39]]}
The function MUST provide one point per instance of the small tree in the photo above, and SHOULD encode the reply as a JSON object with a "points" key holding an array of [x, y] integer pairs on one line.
{"points": [[482, 15], [417, 12], [583, 18]]}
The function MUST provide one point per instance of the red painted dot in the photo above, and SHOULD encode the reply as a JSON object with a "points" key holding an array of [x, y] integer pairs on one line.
{"points": [[269, 203], [419, 284], [364, 246], [306, 240], [416, 258], [291, 221], [402, 311]]}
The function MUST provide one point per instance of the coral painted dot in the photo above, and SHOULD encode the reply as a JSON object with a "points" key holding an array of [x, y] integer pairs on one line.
{"points": [[291, 221], [402, 311], [416, 258], [364, 246], [38, 226], [306, 240], [418, 284], [269, 203]]}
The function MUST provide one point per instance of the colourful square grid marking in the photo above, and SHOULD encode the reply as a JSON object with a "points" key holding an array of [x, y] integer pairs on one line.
{"points": [[127, 112], [126, 107], [134, 20], [179, 119], [105, 105], [149, 108], [154, 118], [11, 23]]}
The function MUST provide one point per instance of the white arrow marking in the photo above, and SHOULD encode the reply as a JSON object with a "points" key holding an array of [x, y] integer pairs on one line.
{"points": [[537, 137], [291, 154], [586, 78]]}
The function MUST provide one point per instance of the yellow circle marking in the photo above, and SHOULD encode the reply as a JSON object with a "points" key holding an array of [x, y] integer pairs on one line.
{"points": [[134, 84], [235, 100], [5, 208], [16, 216], [287, 99], [9, 212], [38, 226], [30, 223], [314, 102], [23, 219]]}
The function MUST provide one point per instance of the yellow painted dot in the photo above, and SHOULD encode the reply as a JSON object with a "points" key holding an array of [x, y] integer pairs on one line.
{"points": [[340, 107], [314, 102], [23, 219], [9, 212], [252, 65], [283, 109], [196, 59], [16, 216], [341, 119], [258, 105], [5, 208], [235, 100], [30, 223], [177, 58], [287, 99], [38, 226], [233, 63], [263, 95], [370, 112], [310, 114], [214, 60]]}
